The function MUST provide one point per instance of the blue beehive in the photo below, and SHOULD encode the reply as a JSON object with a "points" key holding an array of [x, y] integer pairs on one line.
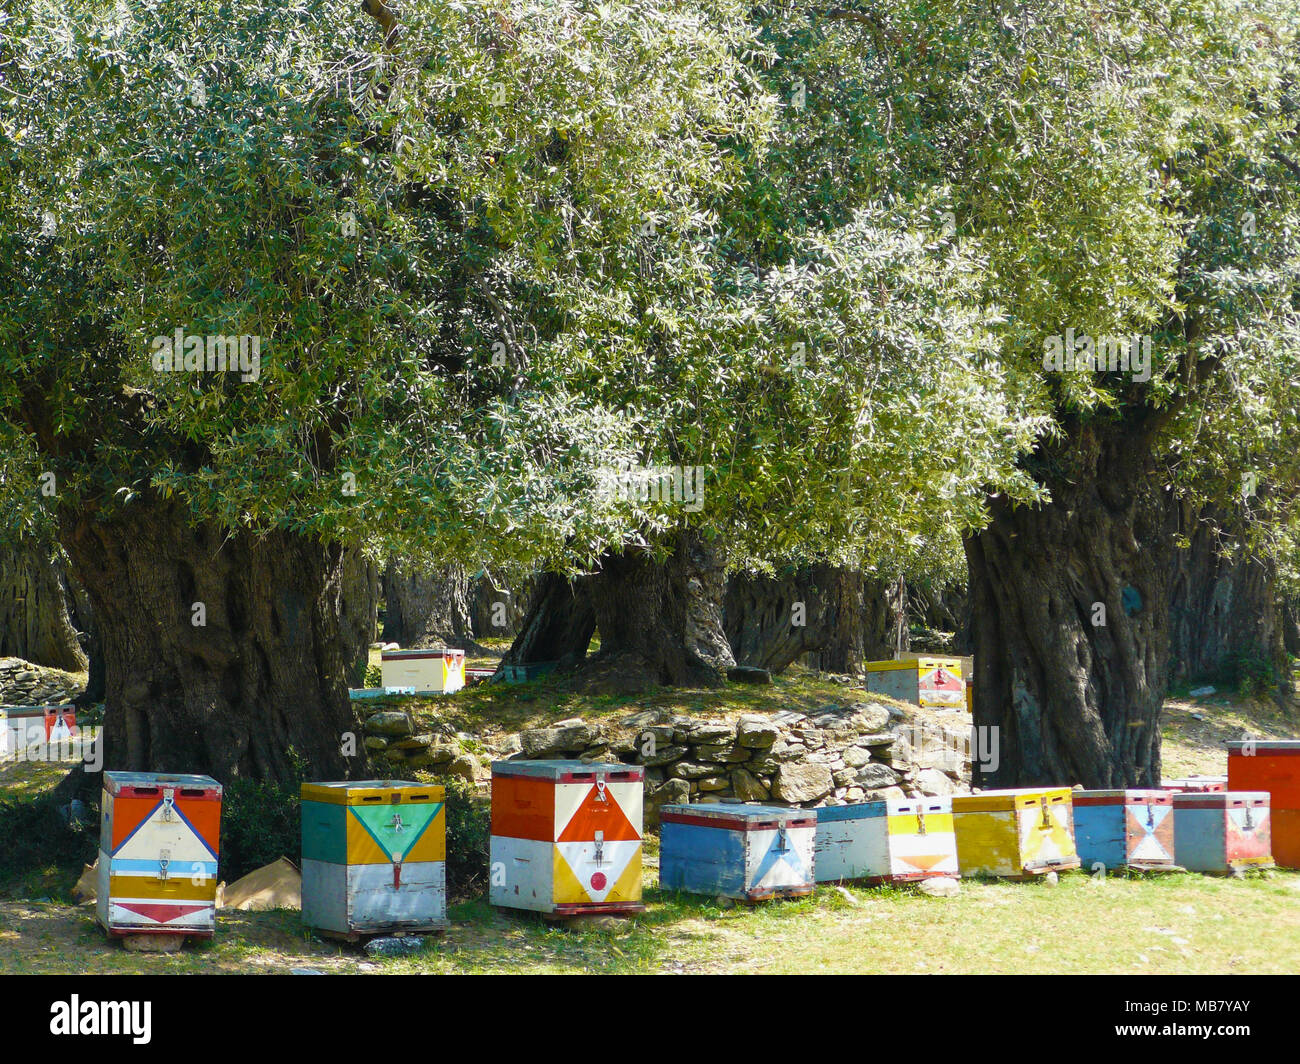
{"points": [[1117, 829], [747, 852]]}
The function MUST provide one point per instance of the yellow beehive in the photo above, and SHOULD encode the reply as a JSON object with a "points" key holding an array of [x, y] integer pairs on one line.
{"points": [[1015, 833]]}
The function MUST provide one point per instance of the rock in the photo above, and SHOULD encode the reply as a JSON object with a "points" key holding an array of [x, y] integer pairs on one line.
{"points": [[795, 782], [756, 733], [511, 744], [413, 742], [1051, 879], [748, 674], [394, 947], [440, 753], [411, 758], [540, 743], [376, 742], [874, 776], [721, 752], [748, 787], [788, 718], [868, 717], [940, 887], [464, 765], [688, 770], [87, 888], [856, 757], [933, 783], [673, 792], [664, 755], [713, 783], [640, 720], [392, 722], [884, 794], [705, 731], [594, 753], [724, 903], [854, 794], [843, 777]]}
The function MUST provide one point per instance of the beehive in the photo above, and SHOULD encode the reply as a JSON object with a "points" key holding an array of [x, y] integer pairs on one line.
{"points": [[894, 840], [566, 837], [1014, 833], [1227, 831], [159, 839], [1124, 829], [436, 671], [746, 852], [24, 728], [930, 681], [1195, 785], [1272, 766], [374, 857]]}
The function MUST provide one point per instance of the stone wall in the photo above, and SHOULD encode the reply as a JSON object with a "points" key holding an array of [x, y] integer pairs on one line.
{"points": [[25, 684], [854, 752]]}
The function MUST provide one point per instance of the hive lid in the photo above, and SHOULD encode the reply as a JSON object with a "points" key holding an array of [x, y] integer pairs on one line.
{"points": [[1265, 746], [141, 783], [883, 807], [736, 815], [929, 661], [1014, 798], [1130, 796], [1221, 799], [569, 771], [372, 792], [430, 652]]}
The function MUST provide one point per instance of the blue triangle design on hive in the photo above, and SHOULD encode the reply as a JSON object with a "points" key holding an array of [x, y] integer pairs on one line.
{"points": [[789, 857]]}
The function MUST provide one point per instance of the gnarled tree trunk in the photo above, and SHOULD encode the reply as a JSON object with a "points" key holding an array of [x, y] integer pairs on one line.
{"points": [[558, 625], [427, 608], [1221, 606], [497, 612], [260, 683], [660, 623], [34, 621], [358, 612], [846, 617], [1075, 693]]}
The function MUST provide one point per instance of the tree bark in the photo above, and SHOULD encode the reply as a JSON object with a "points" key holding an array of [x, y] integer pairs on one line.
{"points": [[257, 690], [497, 612], [1222, 607], [557, 626], [1075, 701], [847, 618], [358, 612], [427, 608], [1291, 626], [660, 624], [34, 620]]}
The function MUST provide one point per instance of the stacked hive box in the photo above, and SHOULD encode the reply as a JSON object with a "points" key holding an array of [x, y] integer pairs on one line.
{"points": [[373, 857], [437, 671], [933, 682], [895, 840], [158, 845], [1015, 833], [746, 852], [566, 837], [1225, 831], [1272, 766], [1196, 785], [1124, 829]]}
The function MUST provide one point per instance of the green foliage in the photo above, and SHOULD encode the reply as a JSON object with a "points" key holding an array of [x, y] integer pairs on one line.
{"points": [[469, 832], [1250, 673], [260, 823], [39, 837]]}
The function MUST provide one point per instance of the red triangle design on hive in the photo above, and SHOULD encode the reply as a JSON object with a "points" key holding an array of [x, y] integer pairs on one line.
{"points": [[161, 913], [924, 862], [593, 815], [946, 681]]}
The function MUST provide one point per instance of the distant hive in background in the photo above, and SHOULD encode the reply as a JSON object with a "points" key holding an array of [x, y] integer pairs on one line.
{"points": [[932, 681], [437, 671], [895, 840], [1272, 765], [1015, 833], [745, 852], [374, 857], [158, 847], [566, 837]]}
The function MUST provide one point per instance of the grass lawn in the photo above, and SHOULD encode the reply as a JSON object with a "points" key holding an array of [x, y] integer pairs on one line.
{"points": [[1161, 924]]}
